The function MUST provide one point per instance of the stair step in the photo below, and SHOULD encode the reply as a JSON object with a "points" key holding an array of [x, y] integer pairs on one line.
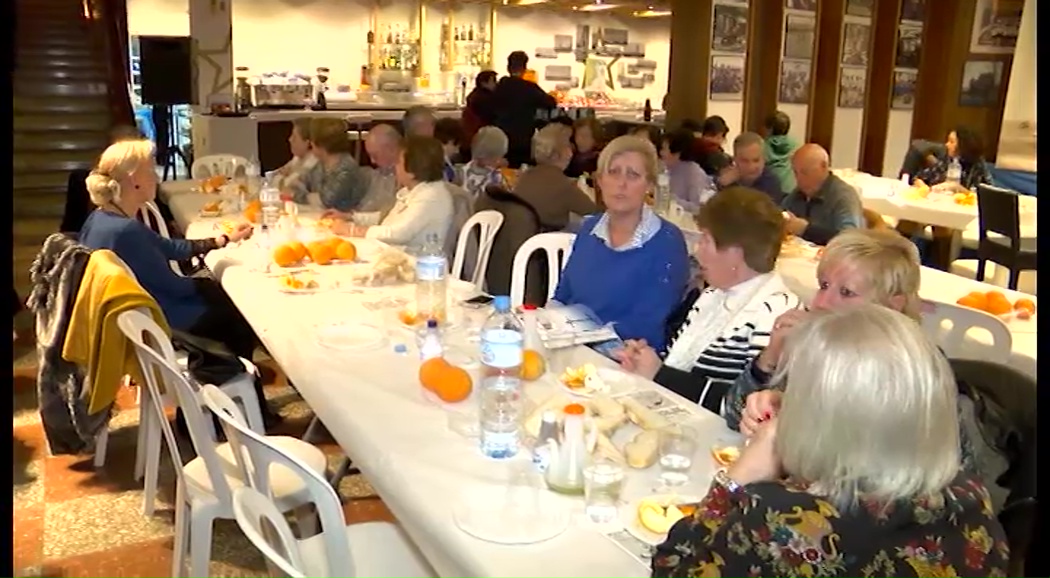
{"points": [[74, 88], [86, 60], [94, 74], [61, 122], [59, 104], [55, 180], [44, 51], [66, 140], [46, 161], [47, 202]]}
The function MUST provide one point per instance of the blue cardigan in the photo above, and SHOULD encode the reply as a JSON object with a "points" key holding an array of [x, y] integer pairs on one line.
{"points": [[148, 254], [636, 289]]}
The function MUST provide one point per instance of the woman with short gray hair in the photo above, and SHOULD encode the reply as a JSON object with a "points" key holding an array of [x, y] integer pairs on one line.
{"points": [[858, 474], [487, 152]]}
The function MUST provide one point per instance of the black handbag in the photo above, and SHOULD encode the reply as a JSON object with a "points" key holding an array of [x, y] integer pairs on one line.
{"points": [[209, 361]]}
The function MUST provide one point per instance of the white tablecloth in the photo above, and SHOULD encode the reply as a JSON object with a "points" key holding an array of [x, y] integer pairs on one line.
{"points": [[372, 404]]}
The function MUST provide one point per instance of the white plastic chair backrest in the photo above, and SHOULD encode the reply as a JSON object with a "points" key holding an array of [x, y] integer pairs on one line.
{"points": [[261, 455], [150, 215], [488, 224], [949, 324], [158, 361], [268, 531], [462, 207], [229, 166], [558, 247]]}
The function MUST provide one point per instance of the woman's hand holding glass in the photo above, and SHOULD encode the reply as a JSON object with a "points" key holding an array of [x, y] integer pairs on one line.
{"points": [[638, 358], [759, 408], [758, 461]]}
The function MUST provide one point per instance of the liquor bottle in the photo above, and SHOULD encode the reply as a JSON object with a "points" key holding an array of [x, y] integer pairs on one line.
{"points": [[371, 37], [470, 33], [647, 113]]}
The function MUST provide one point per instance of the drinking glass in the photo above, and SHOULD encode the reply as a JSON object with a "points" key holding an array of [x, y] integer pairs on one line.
{"points": [[602, 485], [677, 447]]}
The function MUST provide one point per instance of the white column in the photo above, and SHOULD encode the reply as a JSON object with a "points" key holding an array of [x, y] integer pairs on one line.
{"points": [[1017, 138], [211, 31]]}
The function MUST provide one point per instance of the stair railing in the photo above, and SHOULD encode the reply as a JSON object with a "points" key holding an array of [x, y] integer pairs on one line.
{"points": [[110, 25]]}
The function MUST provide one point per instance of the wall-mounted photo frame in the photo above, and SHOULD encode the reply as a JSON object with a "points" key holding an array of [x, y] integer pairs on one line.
{"points": [[856, 44], [982, 83], [727, 77], [996, 25], [853, 84], [807, 5], [861, 8], [557, 73], [795, 79], [913, 11], [909, 47], [563, 43], [729, 32], [545, 53], [799, 36], [904, 89]]}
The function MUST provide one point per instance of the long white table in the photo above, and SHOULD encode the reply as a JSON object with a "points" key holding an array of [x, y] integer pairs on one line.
{"points": [[372, 404]]}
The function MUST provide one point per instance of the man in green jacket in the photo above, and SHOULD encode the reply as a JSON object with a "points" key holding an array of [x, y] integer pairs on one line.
{"points": [[779, 149]]}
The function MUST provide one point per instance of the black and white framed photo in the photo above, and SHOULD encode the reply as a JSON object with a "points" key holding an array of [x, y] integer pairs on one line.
{"points": [[982, 83], [859, 8], [913, 11], [807, 5], [799, 36], [909, 47], [904, 89], [795, 81], [729, 33], [856, 41], [853, 84], [727, 77], [996, 24]]}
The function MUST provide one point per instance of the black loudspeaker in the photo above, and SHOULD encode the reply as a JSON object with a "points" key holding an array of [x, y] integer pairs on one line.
{"points": [[165, 70]]}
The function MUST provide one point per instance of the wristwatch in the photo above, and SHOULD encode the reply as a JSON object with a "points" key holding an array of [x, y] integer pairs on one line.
{"points": [[722, 478]]}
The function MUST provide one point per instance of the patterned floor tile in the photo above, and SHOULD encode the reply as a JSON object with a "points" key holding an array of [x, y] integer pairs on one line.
{"points": [[28, 526], [99, 522]]}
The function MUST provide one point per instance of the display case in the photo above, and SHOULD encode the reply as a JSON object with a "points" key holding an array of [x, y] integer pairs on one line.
{"points": [[392, 46]]}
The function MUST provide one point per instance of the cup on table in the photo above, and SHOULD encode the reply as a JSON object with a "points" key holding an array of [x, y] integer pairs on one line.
{"points": [[677, 448], [602, 486], [368, 219]]}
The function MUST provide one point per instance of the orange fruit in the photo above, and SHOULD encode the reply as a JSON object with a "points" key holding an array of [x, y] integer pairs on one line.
{"points": [[1025, 304], [299, 248], [332, 242], [345, 251], [454, 385], [408, 317], [285, 256], [997, 303], [320, 252], [532, 365], [975, 300], [431, 372]]}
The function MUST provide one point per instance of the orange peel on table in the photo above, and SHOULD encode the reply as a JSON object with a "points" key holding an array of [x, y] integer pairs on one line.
{"points": [[996, 303], [213, 184]]}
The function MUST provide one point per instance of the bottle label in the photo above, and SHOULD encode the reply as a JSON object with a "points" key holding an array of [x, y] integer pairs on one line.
{"points": [[430, 268], [501, 348]]}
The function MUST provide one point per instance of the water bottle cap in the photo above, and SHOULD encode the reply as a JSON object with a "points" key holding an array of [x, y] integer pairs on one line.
{"points": [[502, 302], [432, 323], [529, 307]]}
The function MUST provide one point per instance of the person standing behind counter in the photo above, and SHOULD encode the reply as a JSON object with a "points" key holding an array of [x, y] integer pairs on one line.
{"points": [[336, 181], [823, 205], [516, 101]]}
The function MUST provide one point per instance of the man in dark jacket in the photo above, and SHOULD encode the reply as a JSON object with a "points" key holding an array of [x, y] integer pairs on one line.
{"points": [[707, 148], [480, 110], [516, 103]]}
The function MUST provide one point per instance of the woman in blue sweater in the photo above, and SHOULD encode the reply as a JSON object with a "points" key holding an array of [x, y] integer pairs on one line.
{"points": [[125, 180], [628, 265]]}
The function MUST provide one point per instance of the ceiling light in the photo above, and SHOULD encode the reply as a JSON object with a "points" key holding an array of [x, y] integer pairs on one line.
{"points": [[650, 13], [596, 7]]}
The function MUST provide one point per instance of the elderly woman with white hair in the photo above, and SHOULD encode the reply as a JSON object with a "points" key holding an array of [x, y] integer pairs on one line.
{"points": [[124, 180], [628, 265], [858, 474], [487, 152]]}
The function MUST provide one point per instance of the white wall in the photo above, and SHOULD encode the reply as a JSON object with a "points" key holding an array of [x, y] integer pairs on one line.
{"points": [[1021, 90], [799, 113], [301, 35], [849, 122]]}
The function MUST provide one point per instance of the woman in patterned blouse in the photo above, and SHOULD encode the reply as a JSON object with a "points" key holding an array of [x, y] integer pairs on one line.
{"points": [[858, 474], [965, 145], [336, 182]]}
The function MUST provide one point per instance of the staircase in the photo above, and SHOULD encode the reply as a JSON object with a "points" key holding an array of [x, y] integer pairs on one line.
{"points": [[61, 112]]}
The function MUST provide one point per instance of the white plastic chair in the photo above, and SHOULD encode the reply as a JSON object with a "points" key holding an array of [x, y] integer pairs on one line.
{"points": [[557, 246], [948, 325], [365, 549], [488, 224], [136, 326], [205, 484], [229, 166], [150, 215]]}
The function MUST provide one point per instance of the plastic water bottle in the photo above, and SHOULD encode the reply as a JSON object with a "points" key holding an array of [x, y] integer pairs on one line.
{"points": [[431, 273], [270, 197], [430, 341], [500, 403], [954, 172], [662, 201]]}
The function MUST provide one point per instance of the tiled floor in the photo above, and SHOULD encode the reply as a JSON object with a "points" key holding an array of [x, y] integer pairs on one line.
{"points": [[73, 520]]}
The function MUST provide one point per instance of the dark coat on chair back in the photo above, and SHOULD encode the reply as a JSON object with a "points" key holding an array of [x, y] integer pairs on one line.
{"points": [[520, 222], [915, 159]]}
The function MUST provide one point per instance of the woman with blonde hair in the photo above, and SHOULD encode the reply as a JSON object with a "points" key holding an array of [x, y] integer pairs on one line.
{"points": [[124, 180], [858, 474], [628, 265], [716, 331]]}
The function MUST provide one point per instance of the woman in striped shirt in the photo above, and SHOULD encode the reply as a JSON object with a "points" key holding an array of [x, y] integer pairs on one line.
{"points": [[719, 329]]}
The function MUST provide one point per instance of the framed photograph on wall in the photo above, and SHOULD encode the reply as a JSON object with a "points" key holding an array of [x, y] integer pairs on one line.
{"points": [[909, 47], [982, 83], [995, 26], [794, 81], [807, 5], [730, 28], [913, 11], [853, 84], [727, 78], [859, 8], [904, 89], [799, 36], [856, 41]]}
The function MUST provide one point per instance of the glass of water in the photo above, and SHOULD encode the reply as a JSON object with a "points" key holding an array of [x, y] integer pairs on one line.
{"points": [[602, 484], [677, 448]]}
